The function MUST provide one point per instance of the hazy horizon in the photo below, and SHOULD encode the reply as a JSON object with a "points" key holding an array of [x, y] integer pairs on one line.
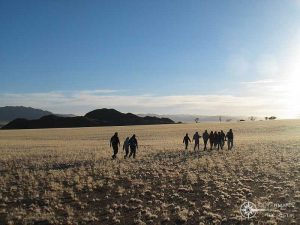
{"points": [[236, 58], [190, 116]]}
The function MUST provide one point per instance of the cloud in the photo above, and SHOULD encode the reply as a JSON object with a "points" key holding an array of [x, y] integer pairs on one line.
{"points": [[273, 91], [99, 91], [266, 81], [81, 102]]}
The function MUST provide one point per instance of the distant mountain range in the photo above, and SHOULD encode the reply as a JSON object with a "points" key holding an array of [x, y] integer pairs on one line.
{"points": [[186, 118], [9, 113], [99, 117], [26, 117]]}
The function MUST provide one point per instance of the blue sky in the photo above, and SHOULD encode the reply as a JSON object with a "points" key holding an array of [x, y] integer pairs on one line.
{"points": [[194, 57]]}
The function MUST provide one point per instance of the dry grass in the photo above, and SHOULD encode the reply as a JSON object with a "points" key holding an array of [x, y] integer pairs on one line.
{"points": [[65, 176]]}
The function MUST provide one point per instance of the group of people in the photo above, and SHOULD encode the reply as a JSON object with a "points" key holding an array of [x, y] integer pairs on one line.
{"points": [[216, 139], [128, 143]]}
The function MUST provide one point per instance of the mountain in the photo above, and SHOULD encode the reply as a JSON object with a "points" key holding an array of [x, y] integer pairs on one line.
{"points": [[9, 113], [51, 121], [187, 118], [64, 115], [114, 117], [99, 117]]}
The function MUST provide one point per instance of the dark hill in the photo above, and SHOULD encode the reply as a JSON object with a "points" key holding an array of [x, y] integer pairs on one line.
{"points": [[156, 120], [50, 121], [9, 113], [99, 117], [114, 117]]}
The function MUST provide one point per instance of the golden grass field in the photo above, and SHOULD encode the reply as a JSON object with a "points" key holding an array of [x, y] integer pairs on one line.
{"points": [[66, 176]]}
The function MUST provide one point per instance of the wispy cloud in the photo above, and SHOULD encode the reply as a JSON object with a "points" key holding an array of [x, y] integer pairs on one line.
{"points": [[273, 91], [82, 101], [267, 81], [99, 91]]}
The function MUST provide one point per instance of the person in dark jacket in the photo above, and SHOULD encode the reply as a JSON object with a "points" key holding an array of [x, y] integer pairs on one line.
{"points": [[215, 139], [218, 140], [205, 137], [126, 147], [211, 139], [222, 139], [196, 138], [133, 146], [115, 143], [229, 137], [186, 140]]}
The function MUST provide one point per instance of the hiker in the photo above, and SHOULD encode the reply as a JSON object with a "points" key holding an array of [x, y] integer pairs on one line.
{"points": [[126, 147], [211, 139], [215, 139], [218, 140], [222, 139], [196, 137], [186, 140], [115, 143], [205, 137], [229, 137], [133, 146]]}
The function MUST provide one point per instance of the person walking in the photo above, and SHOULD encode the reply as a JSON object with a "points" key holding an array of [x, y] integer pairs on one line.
{"points": [[196, 138], [222, 139], [115, 143], [219, 140], [133, 146], [229, 137], [186, 140], [126, 147], [205, 137], [211, 139], [215, 139]]}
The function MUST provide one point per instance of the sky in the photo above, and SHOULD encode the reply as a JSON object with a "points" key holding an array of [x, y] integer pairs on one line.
{"points": [[233, 57]]}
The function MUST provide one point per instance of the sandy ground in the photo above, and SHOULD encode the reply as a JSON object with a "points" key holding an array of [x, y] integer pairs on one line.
{"points": [[66, 176]]}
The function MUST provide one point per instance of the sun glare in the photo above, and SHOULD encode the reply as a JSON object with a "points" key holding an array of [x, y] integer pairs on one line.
{"points": [[293, 96]]}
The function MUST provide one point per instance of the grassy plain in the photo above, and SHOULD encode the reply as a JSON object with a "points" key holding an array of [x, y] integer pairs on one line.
{"points": [[66, 176]]}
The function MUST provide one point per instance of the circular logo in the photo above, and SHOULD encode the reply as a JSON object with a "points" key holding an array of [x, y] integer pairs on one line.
{"points": [[248, 210]]}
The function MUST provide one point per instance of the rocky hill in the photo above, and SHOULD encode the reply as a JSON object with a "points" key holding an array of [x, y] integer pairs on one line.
{"points": [[9, 113], [99, 117]]}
